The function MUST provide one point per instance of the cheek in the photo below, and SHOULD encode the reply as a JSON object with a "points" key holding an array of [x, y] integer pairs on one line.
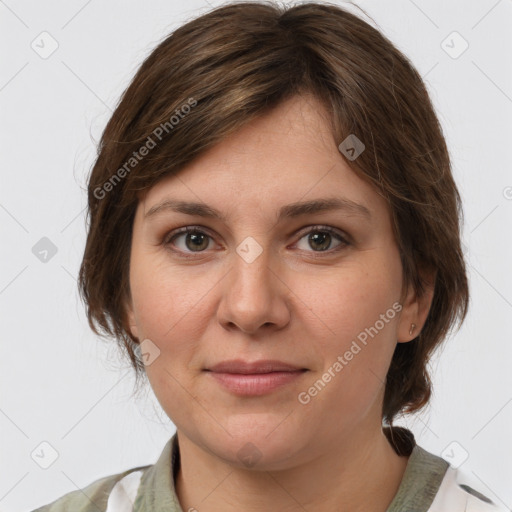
{"points": [[163, 295], [360, 308], [354, 300], [168, 309], [171, 312]]}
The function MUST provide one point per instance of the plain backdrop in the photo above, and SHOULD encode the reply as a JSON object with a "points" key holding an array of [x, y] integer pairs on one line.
{"points": [[64, 386]]}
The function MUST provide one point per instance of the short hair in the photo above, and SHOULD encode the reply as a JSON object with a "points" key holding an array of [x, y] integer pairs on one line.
{"points": [[219, 71]]}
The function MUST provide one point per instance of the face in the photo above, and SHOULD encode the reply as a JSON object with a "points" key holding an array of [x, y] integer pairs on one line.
{"points": [[320, 290]]}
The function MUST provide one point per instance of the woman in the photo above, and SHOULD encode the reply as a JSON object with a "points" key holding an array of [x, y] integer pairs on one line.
{"points": [[275, 241]]}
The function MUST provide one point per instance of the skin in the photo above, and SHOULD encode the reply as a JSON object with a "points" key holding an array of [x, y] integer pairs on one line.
{"points": [[294, 302]]}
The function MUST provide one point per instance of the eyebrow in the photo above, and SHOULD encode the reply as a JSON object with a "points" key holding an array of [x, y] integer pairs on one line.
{"points": [[286, 212]]}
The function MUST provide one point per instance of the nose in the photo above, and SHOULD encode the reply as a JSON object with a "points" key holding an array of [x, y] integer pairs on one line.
{"points": [[254, 296]]}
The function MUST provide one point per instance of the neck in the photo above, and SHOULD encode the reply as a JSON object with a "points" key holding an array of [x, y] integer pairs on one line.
{"points": [[359, 475]]}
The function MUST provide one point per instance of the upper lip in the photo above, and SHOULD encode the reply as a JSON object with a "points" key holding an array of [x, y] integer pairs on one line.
{"points": [[262, 366]]}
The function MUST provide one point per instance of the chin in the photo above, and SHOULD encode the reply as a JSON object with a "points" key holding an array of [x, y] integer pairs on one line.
{"points": [[256, 443]]}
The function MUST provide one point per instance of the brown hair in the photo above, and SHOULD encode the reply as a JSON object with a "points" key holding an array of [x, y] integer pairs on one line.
{"points": [[216, 73]]}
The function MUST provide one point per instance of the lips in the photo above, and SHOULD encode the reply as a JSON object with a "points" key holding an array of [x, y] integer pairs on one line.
{"points": [[253, 379], [239, 366]]}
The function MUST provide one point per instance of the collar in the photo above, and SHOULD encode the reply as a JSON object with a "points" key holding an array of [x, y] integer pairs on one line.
{"points": [[157, 490], [427, 483]]}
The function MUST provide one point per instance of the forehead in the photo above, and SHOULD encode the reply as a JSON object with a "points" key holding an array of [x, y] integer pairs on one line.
{"points": [[286, 156]]}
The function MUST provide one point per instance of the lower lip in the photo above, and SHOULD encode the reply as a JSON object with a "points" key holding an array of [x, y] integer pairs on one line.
{"points": [[256, 383]]}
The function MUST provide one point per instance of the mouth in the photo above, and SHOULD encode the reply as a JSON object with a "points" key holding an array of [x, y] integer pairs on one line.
{"points": [[254, 379], [239, 366]]}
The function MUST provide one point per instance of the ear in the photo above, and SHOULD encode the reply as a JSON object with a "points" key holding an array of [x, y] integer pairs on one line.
{"points": [[130, 317], [415, 308]]}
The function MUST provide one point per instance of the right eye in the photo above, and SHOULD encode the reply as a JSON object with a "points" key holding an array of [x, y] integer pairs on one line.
{"points": [[192, 239]]}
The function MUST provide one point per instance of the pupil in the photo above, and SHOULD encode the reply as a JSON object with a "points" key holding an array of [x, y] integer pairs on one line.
{"points": [[324, 236], [195, 238]]}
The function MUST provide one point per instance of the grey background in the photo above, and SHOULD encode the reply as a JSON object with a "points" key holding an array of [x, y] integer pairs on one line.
{"points": [[64, 386]]}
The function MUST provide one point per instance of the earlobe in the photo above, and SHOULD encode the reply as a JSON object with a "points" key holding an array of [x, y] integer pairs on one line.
{"points": [[409, 326], [132, 324], [415, 309], [133, 330]]}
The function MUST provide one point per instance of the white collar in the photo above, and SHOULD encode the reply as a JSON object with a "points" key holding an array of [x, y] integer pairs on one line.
{"points": [[451, 497]]}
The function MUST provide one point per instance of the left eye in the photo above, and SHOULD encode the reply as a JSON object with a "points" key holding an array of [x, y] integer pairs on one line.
{"points": [[321, 237], [197, 240]]}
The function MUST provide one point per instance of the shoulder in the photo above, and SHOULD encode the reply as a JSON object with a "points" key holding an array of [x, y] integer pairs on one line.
{"points": [[431, 484], [459, 491], [96, 496]]}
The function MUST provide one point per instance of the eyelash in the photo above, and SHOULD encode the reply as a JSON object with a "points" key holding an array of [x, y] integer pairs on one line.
{"points": [[171, 236]]}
